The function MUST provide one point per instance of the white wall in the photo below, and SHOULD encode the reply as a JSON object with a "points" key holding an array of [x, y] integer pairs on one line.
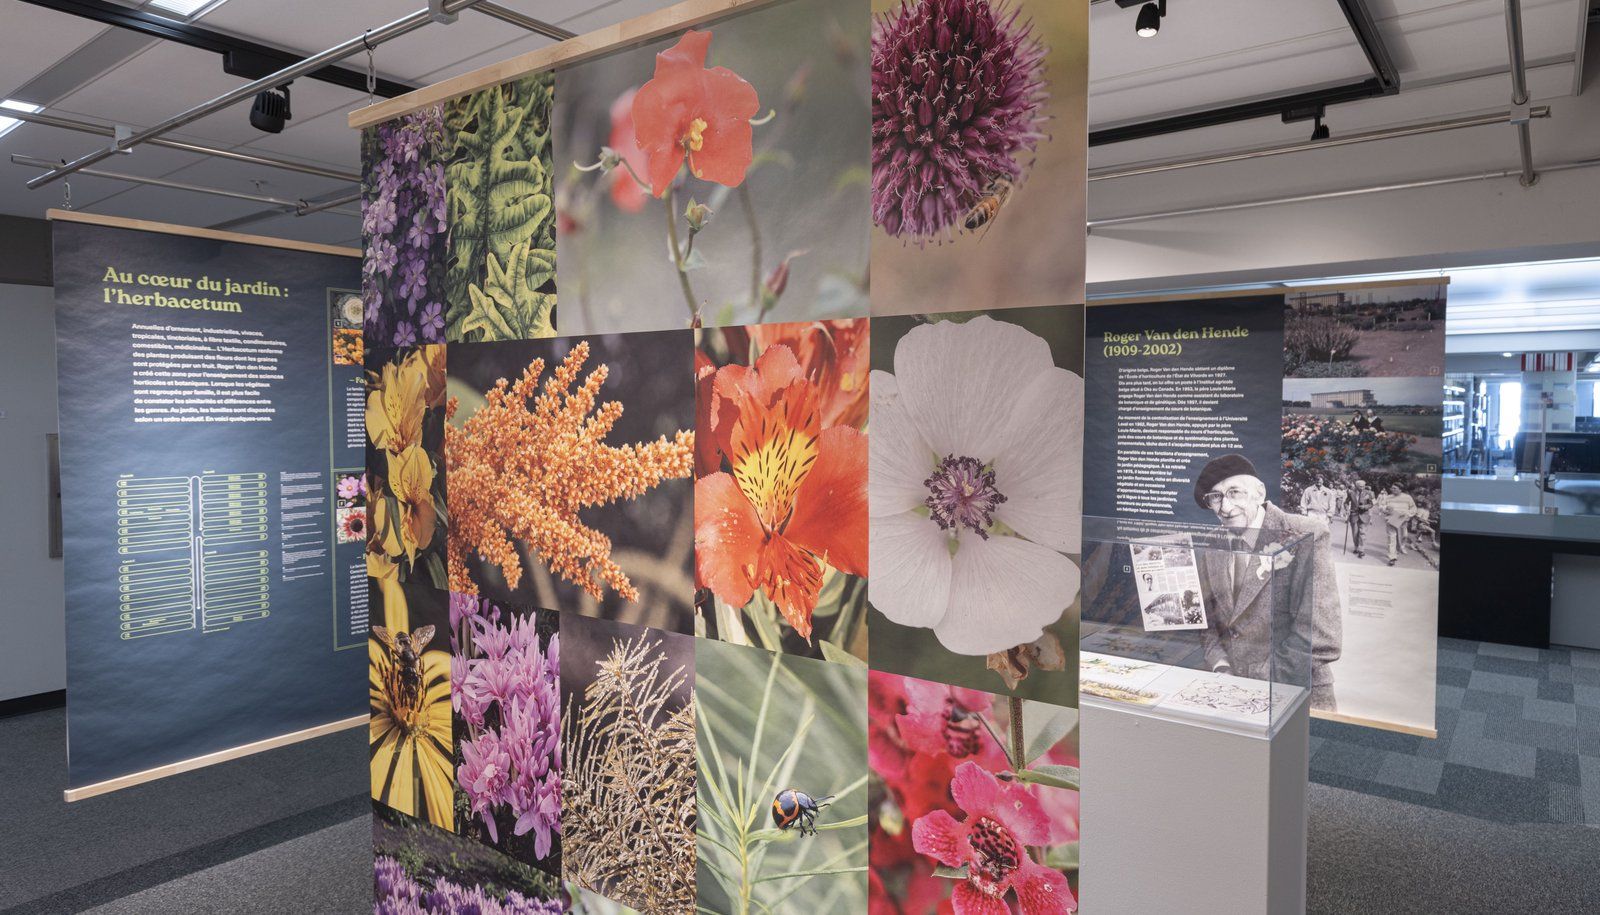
{"points": [[32, 611], [1449, 225]]}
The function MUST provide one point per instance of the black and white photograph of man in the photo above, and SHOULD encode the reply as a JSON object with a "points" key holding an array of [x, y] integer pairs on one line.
{"points": [[1271, 594]]}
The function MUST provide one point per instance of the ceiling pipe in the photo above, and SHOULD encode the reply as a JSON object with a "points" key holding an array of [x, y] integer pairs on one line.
{"points": [[537, 26], [365, 41], [294, 206], [51, 120], [1332, 195], [1519, 89], [240, 56], [306, 208], [1389, 133]]}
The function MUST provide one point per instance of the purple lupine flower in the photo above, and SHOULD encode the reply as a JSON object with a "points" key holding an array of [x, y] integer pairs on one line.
{"points": [[413, 278], [957, 96], [432, 322], [382, 255]]}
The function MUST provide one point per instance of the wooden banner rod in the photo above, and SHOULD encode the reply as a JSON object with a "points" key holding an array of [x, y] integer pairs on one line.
{"points": [[683, 15], [120, 222], [210, 759]]}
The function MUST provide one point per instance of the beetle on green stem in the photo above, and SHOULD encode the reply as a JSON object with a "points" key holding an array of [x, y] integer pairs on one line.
{"points": [[793, 806]]}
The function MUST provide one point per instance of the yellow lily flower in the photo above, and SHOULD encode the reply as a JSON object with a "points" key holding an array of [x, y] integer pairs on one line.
{"points": [[411, 480], [396, 407]]}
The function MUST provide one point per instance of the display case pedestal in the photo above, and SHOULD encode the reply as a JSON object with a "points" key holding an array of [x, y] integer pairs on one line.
{"points": [[1179, 817]]}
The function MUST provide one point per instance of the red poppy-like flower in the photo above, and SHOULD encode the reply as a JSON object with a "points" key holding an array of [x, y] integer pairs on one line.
{"points": [[796, 497], [625, 191], [1002, 820], [694, 113], [833, 354]]}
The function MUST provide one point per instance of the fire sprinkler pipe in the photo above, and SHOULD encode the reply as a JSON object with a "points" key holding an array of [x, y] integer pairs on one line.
{"points": [[1331, 195], [365, 41], [537, 26], [52, 120], [1519, 89], [298, 207]]}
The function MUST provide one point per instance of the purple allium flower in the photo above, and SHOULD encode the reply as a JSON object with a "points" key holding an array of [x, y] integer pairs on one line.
{"points": [[957, 92]]}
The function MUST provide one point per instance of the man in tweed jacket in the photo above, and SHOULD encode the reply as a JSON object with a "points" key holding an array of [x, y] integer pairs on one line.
{"points": [[1272, 599]]}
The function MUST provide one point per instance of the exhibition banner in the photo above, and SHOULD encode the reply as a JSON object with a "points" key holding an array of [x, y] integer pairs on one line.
{"points": [[1319, 410], [666, 341], [213, 500]]}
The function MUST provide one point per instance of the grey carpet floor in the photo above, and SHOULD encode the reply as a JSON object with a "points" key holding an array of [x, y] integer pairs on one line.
{"points": [[328, 872], [1370, 854], [60, 857]]}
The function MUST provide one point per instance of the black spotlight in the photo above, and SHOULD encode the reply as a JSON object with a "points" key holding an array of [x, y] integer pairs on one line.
{"points": [[1150, 16], [1319, 132], [270, 110]]}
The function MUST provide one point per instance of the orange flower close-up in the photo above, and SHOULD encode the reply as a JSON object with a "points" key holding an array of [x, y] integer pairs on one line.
{"points": [[626, 193], [691, 113], [796, 496], [834, 356]]}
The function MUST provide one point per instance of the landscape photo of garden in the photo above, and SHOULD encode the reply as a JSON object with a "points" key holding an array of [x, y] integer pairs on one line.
{"points": [[1393, 424], [1382, 331]]}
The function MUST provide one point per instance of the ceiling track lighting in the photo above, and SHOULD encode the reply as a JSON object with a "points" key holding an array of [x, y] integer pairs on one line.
{"points": [[1319, 132], [1150, 15], [271, 110]]}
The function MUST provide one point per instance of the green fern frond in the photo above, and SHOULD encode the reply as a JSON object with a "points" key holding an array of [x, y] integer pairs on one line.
{"points": [[500, 270]]}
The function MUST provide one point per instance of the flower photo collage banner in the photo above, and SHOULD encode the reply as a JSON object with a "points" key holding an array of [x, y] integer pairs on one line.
{"points": [[707, 575]]}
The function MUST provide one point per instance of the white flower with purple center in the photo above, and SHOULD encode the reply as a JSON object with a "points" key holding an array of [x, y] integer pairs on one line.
{"points": [[975, 491]]}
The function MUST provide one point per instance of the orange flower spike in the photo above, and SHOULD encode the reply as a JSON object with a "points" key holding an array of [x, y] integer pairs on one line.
{"points": [[525, 463], [688, 112]]}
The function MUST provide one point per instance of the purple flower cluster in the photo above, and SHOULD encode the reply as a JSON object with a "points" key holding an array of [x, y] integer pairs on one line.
{"points": [[957, 96], [506, 691], [397, 893], [403, 222]]}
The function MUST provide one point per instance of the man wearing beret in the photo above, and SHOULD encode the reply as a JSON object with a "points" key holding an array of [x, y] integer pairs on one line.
{"points": [[1272, 594]]}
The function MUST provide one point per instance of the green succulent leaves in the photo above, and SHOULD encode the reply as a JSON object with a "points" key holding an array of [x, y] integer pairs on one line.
{"points": [[500, 278]]}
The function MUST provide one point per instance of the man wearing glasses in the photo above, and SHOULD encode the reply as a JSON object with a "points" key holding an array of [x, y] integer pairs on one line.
{"points": [[1270, 584]]}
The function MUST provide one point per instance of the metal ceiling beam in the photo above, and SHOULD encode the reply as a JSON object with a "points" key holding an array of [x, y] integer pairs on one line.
{"points": [[53, 120], [1385, 80], [537, 26], [1388, 133], [1244, 111], [298, 207], [1365, 27], [366, 40], [247, 56]]}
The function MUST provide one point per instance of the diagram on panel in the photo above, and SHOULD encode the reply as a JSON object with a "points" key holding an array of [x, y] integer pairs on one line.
{"points": [[193, 553]]}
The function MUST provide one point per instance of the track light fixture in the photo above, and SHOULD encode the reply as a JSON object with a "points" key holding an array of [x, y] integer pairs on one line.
{"points": [[1150, 16], [1319, 132], [271, 110]]}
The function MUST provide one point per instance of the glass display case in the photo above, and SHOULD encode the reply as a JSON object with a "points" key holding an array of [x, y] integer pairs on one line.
{"points": [[1203, 624]]}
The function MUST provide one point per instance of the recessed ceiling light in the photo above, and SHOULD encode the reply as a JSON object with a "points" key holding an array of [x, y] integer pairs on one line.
{"points": [[9, 124], [188, 9], [1506, 355]]}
